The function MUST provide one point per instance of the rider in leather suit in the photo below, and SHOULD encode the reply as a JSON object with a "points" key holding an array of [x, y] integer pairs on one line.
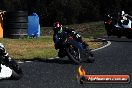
{"points": [[62, 32]]}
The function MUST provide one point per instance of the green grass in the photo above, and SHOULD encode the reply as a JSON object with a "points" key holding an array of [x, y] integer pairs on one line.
{"points": [[30, 48], [91, 29], [35, 48]]}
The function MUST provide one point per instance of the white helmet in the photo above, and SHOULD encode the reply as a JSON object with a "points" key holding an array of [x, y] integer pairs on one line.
{"points": [[122, 13]]}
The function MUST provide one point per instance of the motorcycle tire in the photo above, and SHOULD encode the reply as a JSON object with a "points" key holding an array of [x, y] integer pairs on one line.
{"points": [[15, 75], [109, 33], [129, 36], [15, 67], [71, 50], [90, 55]]}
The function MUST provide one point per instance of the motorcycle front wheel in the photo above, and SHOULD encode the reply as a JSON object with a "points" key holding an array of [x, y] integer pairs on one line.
{"points": [[73, 53]]}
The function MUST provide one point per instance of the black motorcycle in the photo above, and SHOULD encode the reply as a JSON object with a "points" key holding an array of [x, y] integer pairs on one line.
{"points": [[75, 50]]}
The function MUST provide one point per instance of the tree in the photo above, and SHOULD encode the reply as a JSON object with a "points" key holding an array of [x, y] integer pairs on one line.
{"points": [[13, 5], [65, 11], [68, 11]]}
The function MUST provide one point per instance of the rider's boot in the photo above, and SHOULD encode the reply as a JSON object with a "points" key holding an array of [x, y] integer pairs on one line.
{"points": [[61, 53]]}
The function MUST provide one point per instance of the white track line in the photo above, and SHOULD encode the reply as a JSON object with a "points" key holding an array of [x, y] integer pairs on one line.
{"points": [[108, 44], [20, 62], [53, 58]]}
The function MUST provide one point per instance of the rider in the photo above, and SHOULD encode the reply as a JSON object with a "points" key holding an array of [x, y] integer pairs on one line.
{"points": [[62, 32], [124, 20]]}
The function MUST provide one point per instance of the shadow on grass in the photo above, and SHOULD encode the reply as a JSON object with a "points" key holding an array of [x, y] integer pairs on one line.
{"points": [[58, 61]]}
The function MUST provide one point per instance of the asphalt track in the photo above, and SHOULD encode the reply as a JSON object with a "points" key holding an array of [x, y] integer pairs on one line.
{"points": [[61, 73]]}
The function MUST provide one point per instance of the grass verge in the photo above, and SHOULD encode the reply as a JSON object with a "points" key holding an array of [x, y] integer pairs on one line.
{"points": [[91, 29], [35, 48]]}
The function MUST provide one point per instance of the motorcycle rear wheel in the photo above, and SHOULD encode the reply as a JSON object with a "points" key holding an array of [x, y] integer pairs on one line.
{"points": [[91, 58], [15, 75], [90, 55], [17, 71]]}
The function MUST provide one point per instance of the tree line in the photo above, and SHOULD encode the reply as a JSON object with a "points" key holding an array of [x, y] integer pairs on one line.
{"points": [[68, 11]]}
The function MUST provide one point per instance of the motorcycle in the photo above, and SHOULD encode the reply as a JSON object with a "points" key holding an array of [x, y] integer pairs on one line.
{"points": [[12, 68], [118, 27], [75, 51], [110, 27], [125, 28]]}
